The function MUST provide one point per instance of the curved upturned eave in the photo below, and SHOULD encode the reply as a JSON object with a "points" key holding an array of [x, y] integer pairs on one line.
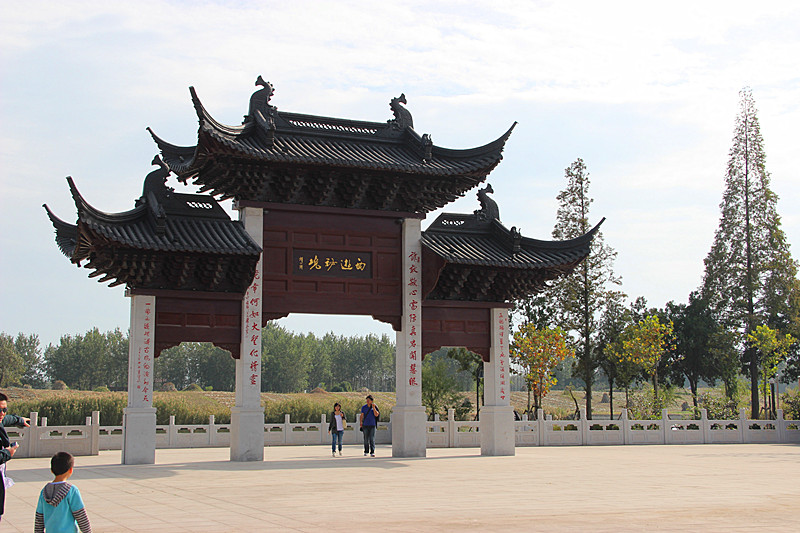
{"points": [[84, 208], [496, 146], [66, 233], [177, 158], [567, 245], [204, 117]]}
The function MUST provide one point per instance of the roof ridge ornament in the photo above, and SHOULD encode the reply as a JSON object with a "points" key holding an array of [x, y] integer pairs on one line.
{"points": [[261, 112], [516, 240], [427, 148], [402, 116], [155, 191], [489, 209]]}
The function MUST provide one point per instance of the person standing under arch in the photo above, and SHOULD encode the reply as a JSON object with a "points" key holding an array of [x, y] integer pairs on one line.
{"points": [[370, 416], [336, 428]]}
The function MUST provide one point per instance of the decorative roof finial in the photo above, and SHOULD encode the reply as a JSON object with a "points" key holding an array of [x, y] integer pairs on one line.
{"points": [[155, 191], [489, 209], [265, 93], [402, 117], [262, 113]]}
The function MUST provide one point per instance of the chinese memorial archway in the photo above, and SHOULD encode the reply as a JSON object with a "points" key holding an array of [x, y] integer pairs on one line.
{"points": [[330, 215]]}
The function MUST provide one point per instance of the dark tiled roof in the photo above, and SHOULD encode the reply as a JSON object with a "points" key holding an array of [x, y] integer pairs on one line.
{"points": [[193, 223], [169, 240], [483, 261], [465, 240], [385, 151]]}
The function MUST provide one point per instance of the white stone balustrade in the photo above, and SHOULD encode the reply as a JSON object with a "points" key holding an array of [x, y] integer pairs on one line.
{"points": [[41, 440]]}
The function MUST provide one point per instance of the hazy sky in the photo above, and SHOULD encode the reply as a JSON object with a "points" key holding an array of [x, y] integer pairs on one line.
{"points": [[646, 93]]}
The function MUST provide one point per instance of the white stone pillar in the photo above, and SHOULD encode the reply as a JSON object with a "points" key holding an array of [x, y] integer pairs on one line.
{"points": [[247, 415], [408, 418], [139, 418], [497, 416]]}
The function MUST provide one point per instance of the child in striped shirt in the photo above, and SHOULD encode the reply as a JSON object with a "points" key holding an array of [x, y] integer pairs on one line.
{"points": [[60, 508]]}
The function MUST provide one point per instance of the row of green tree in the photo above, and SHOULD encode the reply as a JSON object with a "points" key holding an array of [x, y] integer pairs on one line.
{"points": [[743, 319], [290, 362]]}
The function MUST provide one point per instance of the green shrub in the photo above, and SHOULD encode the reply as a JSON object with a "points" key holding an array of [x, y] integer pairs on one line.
{"points": [[645, 406], [71, 411], [59, 385], [194, 387], [791, 405], [344, 386], [719, 407], [168, 387], [101, 388]]}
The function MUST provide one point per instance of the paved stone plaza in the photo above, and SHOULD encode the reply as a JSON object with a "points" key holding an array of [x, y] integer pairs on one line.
{"points": [[631, 488]]}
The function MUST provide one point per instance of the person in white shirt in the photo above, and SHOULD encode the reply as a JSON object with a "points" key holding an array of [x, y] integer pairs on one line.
{"points": [[336, 428]]}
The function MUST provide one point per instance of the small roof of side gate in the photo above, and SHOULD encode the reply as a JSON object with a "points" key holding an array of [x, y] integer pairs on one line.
{"points": [[280, 157], [158, 243], [474, 257]]}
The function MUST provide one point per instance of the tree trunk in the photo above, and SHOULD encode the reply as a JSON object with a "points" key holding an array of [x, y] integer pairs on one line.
{"points": [[753, 381], [749, 277], [611, 398], [693, 388], [655, 384], [529, 400], [588, 390]]}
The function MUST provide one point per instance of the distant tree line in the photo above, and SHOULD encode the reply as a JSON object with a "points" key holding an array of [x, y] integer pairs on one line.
{"points": [[291, 362]]}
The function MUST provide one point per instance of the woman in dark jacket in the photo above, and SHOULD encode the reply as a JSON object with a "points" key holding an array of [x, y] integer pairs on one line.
{"points": [[336, 428], [6, 450]]}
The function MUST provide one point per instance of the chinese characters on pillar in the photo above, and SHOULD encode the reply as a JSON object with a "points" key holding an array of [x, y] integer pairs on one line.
{"points": [[145, 359], [413, 313], [503, 353], [251, 336]]}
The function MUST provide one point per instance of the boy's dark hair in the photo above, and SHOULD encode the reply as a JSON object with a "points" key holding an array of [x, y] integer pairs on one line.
{"points": [[61, 463], [369, 397], [3, 397]]}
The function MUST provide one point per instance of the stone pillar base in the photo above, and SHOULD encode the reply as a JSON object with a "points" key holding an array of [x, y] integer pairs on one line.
{"points": [[409, 431], [497, 430], [247, 434], [139, 436]]}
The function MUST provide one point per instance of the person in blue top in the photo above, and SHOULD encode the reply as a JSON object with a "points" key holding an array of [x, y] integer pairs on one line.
{"points": [[7, 451], [370, 416], [60, 508]]}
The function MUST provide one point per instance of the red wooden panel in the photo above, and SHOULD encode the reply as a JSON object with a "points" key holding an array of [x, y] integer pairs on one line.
{"points": [[229, 321], [275, 260], [332, 286], [326, 233], [172, 319], [359, 240], [336, 240], [277, 236], [456, 325], [360, 288], [198, 317]]}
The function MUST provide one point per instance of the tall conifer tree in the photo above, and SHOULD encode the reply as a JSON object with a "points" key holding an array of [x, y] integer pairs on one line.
{"points": [[750, 276], [582, 297]]}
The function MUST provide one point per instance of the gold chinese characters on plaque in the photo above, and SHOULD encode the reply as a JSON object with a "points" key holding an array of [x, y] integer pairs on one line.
{"points": [[332, 264]]}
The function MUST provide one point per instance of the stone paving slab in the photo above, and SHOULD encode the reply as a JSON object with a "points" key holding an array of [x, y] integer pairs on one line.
{"points": [[739, 487]]}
